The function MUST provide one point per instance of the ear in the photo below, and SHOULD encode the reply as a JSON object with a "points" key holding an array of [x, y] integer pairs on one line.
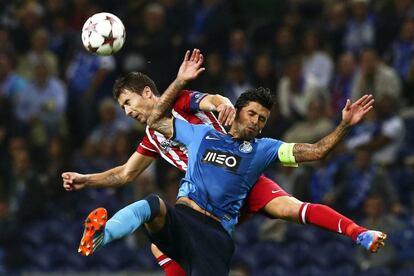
{"points": [[147, 93]]}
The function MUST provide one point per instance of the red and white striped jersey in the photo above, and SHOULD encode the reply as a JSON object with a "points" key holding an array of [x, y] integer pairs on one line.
{"points": [[185, 108]]}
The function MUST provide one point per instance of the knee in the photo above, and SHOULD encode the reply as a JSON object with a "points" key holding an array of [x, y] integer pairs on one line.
{"points": [[158, 213], [286, 213], [156, 205], [286, 208]]}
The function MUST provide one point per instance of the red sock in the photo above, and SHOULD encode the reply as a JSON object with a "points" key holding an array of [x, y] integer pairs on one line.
{"points": [[170, 267], [327, 218]]}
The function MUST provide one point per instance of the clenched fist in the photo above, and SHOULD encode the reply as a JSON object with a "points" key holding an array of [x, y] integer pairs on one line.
{"points": [[73, 181]]}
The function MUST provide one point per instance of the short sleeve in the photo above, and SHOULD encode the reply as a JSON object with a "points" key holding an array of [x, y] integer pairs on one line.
{"points": [[147, 148], [278, 150], [270, 148], [187, 133]]}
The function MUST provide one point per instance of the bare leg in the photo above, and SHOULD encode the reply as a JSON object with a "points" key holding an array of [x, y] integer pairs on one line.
{"points": [[284, 207]]}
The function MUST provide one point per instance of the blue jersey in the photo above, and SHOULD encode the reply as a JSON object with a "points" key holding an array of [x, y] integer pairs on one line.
{"points": [[221, 170]]}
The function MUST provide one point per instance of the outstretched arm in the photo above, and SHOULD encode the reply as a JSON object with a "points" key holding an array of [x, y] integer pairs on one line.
{"points": [[114, 177], [189, 70], [351, 115]]}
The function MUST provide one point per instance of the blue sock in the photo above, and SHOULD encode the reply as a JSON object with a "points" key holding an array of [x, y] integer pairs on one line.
{"points": [[126, 221]]}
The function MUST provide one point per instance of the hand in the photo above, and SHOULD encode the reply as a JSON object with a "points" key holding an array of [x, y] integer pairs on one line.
{"points": [[73, 181], [353, 113], [227, 113], [191, 67]]}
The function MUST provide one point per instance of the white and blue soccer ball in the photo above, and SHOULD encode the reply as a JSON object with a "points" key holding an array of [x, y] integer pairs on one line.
{"points": [[103, 34]]}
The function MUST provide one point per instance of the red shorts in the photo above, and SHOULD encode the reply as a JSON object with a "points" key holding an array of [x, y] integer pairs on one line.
{"points": [[263, 191]]}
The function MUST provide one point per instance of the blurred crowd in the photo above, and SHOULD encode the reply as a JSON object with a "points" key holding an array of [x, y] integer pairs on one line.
{"points": [[57, 113]]}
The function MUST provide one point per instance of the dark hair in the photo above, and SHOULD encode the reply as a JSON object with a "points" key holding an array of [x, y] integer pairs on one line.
{"points": [[135, 83], [260, 95]]}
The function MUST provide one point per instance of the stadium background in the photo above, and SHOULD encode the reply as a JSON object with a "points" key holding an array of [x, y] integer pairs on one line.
{"points": [[57, 114]]}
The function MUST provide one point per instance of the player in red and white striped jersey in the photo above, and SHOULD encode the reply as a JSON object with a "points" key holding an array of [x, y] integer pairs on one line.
{"points": [[186, 108]]}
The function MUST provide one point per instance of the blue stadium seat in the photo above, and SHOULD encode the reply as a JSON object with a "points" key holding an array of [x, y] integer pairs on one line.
{"points": [[242, 237], [310, 270], [246, 233], [343, 270], [57, 254], [42, 261], [409, 135], [328, 236], [402, 179], [56, 230], [303, 233], [75, 260], [407, 271], [404, 242], [272, 253], [27, 270], [247, 255], [321, 258], [299, 252], [273, 270], [145, 259], [377, 271], [111, 257], [34, 234], [72, 234], [65, 270], [339, 252]]}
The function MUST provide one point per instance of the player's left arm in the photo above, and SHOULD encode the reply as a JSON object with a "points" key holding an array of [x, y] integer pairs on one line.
{"points": [[190, 69], [351, 115], [222, 105]]}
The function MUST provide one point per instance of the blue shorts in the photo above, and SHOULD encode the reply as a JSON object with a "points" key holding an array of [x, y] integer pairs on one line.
{"points": [[197, 242]]}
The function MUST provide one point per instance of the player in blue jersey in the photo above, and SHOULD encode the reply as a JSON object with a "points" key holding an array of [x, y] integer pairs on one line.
{"points": [[221, 170]]}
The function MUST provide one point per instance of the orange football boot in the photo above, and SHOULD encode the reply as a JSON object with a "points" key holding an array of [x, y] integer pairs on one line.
{"points": [[94, 231]]}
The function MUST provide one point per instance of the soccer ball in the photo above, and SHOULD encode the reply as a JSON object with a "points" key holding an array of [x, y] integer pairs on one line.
{"points": [[103, 34]]}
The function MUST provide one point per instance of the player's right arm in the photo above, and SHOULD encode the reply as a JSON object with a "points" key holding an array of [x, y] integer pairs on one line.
{"points": [[114, 177]]}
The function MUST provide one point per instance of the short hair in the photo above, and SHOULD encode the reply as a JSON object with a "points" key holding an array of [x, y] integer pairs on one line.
{"points": [[260, 95], [135, 82]]}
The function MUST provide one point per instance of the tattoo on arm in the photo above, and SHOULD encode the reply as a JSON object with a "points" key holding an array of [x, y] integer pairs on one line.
{"points": [[311, 152], [165, 103], [164, 126], [113, 179]]}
